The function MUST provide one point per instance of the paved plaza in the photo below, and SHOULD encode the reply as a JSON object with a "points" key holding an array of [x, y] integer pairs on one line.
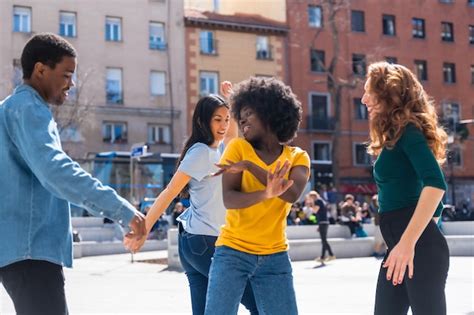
{"points": [[113, 285]]}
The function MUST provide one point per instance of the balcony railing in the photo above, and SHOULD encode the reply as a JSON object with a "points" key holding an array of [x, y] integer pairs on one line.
{"points": [[316, 123]]}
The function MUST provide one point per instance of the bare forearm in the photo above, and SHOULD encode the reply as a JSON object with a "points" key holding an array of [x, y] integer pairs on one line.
{"points": [[429, 199], [158, 207], [236, 200], [291, 195]]}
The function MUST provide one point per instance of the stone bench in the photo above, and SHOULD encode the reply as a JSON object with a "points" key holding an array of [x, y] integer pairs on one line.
{"points": [[84, 249]]}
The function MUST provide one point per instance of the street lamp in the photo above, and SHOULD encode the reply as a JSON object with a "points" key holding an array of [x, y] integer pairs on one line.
{"points": [[137, 151]]}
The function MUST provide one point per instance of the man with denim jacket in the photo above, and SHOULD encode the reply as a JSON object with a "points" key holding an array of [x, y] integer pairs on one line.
{"points": [[38, 180]]}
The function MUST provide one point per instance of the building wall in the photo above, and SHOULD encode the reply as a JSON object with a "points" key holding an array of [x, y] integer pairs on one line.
{"points": [[272, 9], [376, 47], [235, 60], [95, 54]]}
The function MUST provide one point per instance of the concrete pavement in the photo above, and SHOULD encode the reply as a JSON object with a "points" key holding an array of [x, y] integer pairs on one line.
{"points": [[113, 285]]}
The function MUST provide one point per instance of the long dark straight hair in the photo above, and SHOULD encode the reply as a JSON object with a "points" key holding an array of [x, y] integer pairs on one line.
{"points": [[201, 127]]}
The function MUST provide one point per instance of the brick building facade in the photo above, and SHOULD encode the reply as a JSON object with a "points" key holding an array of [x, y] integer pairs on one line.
{"points": [[433, 38]]}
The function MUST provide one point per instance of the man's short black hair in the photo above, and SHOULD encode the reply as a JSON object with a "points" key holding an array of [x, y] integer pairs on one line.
{"points": [[47, 48], [273, 101]]}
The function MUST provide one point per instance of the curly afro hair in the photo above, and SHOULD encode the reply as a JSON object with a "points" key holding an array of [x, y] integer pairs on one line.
{"points": [[273, 101]]}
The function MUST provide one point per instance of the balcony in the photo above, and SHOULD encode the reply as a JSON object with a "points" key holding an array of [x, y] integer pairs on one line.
{"points": [[322, 124]]}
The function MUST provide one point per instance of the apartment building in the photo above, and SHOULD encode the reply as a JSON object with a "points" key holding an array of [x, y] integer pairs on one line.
{"points": [[222, 43], [130, 81], [433, 38]]}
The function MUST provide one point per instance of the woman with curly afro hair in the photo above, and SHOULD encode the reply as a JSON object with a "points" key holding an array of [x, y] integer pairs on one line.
{"points": [[410, 147], [262, 177]]}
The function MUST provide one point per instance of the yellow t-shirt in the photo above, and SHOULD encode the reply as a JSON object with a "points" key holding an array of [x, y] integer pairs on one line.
{"points": [[259, 229]]}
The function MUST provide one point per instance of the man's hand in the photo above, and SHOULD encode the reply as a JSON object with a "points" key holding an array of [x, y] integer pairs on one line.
{"points": [[138, 227], [132, 244]]}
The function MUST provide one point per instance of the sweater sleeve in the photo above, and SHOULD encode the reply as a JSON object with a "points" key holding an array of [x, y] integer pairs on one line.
{"points": [[414, 145]]}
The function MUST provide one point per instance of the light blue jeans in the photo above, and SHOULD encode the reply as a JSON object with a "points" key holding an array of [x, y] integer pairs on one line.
{"points": [[270, 277]]}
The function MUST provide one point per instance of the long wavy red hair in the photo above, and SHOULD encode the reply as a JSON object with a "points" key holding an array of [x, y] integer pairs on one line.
{"points": [[401, 100]]}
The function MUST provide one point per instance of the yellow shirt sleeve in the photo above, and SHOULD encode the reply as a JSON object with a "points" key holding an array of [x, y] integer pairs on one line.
{"points": [[232, 152]]}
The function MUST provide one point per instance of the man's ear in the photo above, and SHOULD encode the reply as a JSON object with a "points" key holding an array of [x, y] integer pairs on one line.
{"points": [[39, 69]]}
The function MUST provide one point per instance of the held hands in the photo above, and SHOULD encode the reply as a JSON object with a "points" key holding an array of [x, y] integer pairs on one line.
{"points": [[138, 233], [398, 260], [276, 183], [226, 89]]}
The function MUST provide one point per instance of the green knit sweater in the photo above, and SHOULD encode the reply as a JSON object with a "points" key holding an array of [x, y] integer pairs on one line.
{"points": [[402, 172]]}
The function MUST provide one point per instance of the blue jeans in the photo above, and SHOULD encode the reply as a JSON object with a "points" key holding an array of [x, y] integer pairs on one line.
{"points": [[270, 277], [195, 253]]}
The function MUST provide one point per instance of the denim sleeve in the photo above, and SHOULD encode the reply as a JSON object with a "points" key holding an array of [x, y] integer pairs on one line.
{"points": [[34, 132]]}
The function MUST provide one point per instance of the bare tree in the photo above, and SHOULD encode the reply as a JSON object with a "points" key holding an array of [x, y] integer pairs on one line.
{"points": [[75, 111], [335, 84]]}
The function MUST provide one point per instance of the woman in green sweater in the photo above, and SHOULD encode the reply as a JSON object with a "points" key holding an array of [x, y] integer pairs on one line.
{"points": [[410, 147]]}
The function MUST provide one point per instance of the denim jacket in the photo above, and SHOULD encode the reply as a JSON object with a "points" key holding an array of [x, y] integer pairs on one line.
{"points": [[37, 182]]}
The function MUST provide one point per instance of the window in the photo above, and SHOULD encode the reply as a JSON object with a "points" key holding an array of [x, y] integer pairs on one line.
{"points": [[67, 24], [319, 119], [159, 134], [449, 72], [322, 152], [263, 48], [451, 113], [472, 74], [317, 60], [22, 19], [421, 70], [359, 64], [157, 83], [455, 156], [17, 77], [357, 21], [113, 29], [391, 60], [418, 30], [208, 83], [447, 32], [315, 16], [361, 157], [216, 5], [388, 25], [114, 86], [471, 34], [114, 132], [207, 43], [157, 36], [360, 110]]}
